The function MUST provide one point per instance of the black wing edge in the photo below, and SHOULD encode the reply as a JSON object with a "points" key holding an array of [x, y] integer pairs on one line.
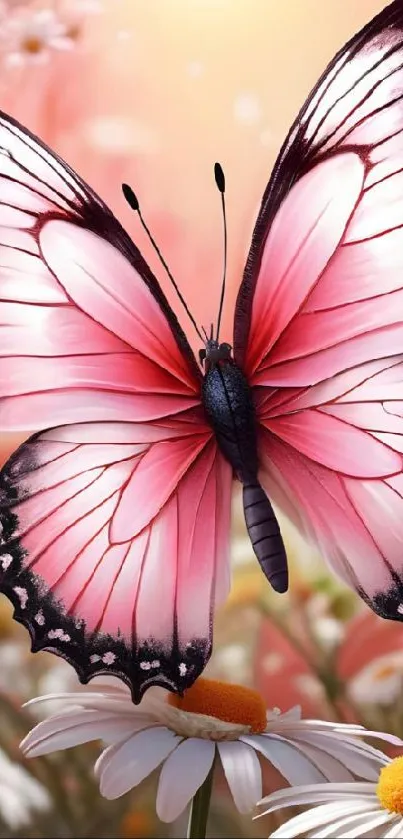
{"points": [[294, 159]]}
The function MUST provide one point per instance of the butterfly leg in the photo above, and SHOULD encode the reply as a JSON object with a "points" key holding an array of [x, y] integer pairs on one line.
{"points": [[264, 533]]}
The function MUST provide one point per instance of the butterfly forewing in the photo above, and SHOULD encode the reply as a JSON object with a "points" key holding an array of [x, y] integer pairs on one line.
{"points": [[355, 104]]}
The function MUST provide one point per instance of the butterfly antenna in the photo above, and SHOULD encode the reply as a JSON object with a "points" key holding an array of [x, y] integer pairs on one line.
{"points": [[220, 181], [134, 204]]}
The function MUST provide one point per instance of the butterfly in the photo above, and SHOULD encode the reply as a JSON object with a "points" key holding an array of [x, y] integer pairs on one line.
{"points": [[115, 515]]}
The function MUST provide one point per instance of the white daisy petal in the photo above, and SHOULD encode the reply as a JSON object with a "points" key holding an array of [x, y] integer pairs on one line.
{"points": [[66, 730], [346, 741], [191, 763], [293, 715], [393, 739], [126, 764], [396, 830], [349, 755], [322, 815], [97, 701], [364, 825], [318, 725], [328, 764], [315, 793], [117, 730], [358, 824], [287, 757], [243, 773]]}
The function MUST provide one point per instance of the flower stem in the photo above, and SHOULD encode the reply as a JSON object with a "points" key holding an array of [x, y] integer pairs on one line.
{"points": [[199, 808]]}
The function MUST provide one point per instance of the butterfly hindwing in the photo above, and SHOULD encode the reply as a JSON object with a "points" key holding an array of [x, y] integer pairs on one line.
{"points": [[110, 532]]}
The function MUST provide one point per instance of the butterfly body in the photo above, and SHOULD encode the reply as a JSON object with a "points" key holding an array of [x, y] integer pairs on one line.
{"points": [[228, 402]]}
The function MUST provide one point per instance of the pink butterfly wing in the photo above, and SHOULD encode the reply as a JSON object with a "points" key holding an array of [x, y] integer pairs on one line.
{"points": [[322, 341], [114, 525]]}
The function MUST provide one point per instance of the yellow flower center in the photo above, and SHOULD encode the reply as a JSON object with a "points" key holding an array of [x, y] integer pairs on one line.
{"points": [[230, 703], [390, 786]]}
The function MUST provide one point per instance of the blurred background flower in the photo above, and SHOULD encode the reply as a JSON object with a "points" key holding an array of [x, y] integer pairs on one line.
{"points": [[152, 94]]}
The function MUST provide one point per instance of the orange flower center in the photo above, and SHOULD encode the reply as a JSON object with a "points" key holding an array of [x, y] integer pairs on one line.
{"points": [[384, 672], [390, 786], [229, 703], [32, 44], [136, 824]]}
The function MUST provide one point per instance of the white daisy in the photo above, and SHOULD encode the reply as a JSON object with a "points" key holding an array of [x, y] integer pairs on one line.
{"points": [[184, 735], [345, 809]]}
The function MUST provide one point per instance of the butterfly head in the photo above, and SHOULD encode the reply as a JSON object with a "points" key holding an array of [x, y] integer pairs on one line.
{"points": [[213, 353]]}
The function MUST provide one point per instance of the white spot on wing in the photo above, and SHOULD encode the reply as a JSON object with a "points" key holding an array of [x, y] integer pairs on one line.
{"points": [[40, 618], [94, 658], [6, 561], [145, 665], [58, 633], [182, 669], [108, 658], [22, 594], [400, 608]]}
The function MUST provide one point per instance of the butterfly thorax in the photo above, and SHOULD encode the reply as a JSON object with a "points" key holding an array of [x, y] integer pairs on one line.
{"points": [[227, 400]]}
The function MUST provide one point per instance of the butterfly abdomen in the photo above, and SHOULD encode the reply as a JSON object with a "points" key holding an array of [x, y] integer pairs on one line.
{"points": [[264, 533]]}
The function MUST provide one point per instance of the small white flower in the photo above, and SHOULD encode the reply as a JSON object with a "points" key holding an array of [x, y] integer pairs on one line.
{"points": [[29, 34], [328, 631], [231, 658], [184, 735], [345, 809], [379, 682], [20, 794]]}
